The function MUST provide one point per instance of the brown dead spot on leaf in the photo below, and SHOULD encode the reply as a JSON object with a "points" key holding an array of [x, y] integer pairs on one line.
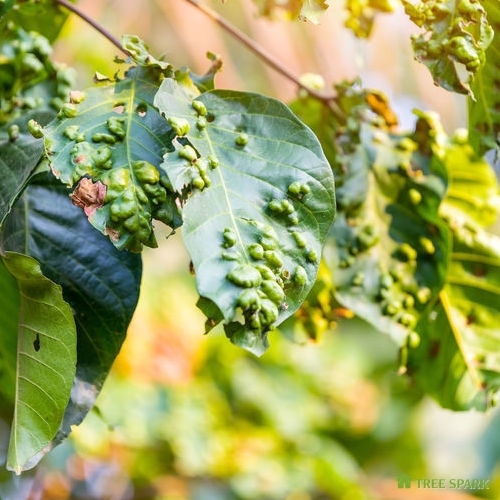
{"points": [[88, 195], [80, 159], [112, 233]]}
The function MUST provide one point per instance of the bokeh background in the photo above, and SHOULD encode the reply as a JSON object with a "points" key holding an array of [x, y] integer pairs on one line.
{"points": [[185, 416]]}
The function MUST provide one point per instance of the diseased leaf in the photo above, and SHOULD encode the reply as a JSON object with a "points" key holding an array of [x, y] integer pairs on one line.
{"points": [[388, 254], [42, 16], [457, 361], [113, 134], [484, 110], [257, 201], [20, 153], [99, 282], [31, 84], [46, 359], [456, 36], [387, 249], [362, 13]]}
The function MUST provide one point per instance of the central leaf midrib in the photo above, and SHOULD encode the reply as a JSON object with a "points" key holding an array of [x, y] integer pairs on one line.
{"points": [[226, 196]]}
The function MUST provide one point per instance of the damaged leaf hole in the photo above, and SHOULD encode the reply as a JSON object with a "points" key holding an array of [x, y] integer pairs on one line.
{"points": [[141, 110], [36, 343], [119, 108]]}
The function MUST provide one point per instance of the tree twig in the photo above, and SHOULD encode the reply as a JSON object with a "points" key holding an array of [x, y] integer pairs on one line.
{"points": [[254, 47], [94, 24]]}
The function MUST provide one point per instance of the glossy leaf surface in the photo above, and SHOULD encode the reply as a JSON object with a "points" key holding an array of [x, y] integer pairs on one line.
{"points": [[99, 282]]}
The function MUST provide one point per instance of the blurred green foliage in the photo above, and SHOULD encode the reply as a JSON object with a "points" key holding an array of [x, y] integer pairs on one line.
{"points": [[186, 417]]}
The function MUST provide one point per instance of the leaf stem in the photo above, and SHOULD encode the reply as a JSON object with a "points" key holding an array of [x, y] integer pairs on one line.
{"points": [[103, 31], [257, 49]]}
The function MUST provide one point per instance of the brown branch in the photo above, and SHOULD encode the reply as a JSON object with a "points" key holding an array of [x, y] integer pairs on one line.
{"points": [[94, 24], [254, 47]]}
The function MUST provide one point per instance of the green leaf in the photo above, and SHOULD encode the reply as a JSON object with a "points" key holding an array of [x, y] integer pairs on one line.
{"points": [[42, 16], [457, 361], [20, 153], [484, 110], [387, 250], [113, 134], [46, 359], [473, 187], [99, 282], [257, 201], [30, 82], [9, 314], [456, 36]]}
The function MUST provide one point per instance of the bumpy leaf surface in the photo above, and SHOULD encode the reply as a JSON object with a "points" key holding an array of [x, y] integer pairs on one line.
{"points": [[457, 361], [361, 14], [456, 36], [388, 254], [99, 282], [20, 153], [484, 110], [258, 200], [44, 16], [114, 137], [45, 358], [443, 198], [387, 249]]}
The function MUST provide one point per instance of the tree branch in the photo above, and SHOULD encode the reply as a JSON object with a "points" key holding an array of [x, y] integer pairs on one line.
{"points": [[254, 47], [94, 24]]}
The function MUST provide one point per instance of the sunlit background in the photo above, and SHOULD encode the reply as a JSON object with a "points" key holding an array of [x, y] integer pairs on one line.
{"points": [[186, 416]]}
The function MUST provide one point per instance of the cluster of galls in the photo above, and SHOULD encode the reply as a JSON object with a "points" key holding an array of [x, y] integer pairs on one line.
{"points": [[258, 273], [465, 37], [261, 274], [199, 166], [26, 63], [135, 193], [135, 196]]}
